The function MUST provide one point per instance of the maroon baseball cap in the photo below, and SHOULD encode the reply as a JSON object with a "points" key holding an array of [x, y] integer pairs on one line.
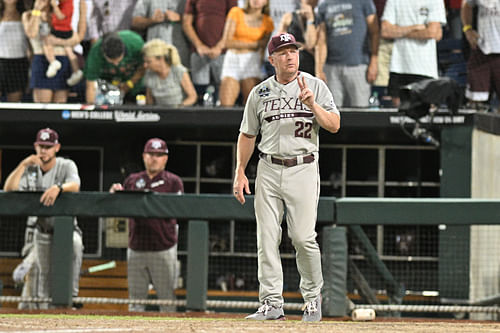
{"points": [[156, 145], [281, 40], [47, 137]]}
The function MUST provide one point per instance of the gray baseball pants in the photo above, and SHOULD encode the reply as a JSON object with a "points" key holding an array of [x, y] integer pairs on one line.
{"points": [[41, 271], [156, 267], [297, 188]]}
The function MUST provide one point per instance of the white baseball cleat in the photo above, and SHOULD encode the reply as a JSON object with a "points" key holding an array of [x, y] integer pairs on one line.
{"points": [[23, 268], [312, 310], [268, 312]]}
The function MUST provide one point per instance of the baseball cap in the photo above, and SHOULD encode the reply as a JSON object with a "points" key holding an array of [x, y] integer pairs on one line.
{"points": [[47, 137], [156, 145], [281, 40]]}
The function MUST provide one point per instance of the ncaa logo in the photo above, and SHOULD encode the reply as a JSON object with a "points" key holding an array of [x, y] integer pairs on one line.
{"points": [[264, 91], [156, 144], [45, 136], [285, 38], [140, 183]]}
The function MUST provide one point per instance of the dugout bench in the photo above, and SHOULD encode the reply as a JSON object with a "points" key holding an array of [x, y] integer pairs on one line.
{"points": [[113, 283]]}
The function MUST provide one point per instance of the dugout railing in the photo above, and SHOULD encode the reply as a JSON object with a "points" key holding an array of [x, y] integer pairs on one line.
{"points": [[350, 212], [195, 208]]}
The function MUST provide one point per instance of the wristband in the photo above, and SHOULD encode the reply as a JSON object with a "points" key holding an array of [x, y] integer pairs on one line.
{"points": [[466, 28], [60, 186], [130, 84], [36, 12], [115, 82], [310, 22]]}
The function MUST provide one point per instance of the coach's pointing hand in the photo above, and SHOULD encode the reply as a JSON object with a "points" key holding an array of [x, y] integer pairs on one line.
{"points": [[306, 95]]}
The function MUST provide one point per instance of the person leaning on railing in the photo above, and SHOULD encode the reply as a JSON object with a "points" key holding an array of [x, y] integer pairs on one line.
{"points": [[117, 59], [52, 175], [152, 245]]}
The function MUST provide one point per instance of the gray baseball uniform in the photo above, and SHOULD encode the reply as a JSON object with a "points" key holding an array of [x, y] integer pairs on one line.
{"points": [[33, 179], [287, 176], [152, 246]]}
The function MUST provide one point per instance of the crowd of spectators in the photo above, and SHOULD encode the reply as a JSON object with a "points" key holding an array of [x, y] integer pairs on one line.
{"points": [[218, 47], [347, 49]]}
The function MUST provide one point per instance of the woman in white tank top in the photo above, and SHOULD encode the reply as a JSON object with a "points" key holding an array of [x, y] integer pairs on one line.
{"points": [[14, 63]]}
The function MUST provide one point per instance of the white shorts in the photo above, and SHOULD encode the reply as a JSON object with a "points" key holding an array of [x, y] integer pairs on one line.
{"points": [[240, 66]]}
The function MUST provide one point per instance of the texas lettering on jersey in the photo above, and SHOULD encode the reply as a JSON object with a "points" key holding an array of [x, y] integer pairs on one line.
{"points": [[286, 103]]}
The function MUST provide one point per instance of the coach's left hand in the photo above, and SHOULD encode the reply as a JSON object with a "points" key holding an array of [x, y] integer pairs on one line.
{"points": [[50, 195], [306, 95]]}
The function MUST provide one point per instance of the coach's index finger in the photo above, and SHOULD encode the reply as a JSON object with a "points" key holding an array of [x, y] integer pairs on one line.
{"points": [[302, 82]]}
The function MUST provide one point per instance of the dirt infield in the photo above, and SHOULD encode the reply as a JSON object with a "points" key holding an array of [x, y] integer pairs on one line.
{"points": [[79, 322]]}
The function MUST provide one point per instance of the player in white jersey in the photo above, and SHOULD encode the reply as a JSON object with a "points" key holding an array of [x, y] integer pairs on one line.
{"points": [[53, 175], [288, 110]]}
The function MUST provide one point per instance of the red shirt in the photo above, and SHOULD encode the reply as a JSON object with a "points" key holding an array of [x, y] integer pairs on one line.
{"points": [[66, 7], [209, 17], [153, 234], [379, 5], [453, 4]]}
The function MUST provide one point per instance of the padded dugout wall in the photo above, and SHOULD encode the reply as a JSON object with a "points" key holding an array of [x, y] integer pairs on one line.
{"points": [[484, 245]]}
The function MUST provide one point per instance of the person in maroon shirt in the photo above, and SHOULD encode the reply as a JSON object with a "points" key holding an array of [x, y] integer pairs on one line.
{"points": [[152, 243], [203, 23]]}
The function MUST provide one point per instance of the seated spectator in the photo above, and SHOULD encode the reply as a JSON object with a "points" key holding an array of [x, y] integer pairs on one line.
{"points": [[162, 19], [483, 67], [300, 23], [167, 81], [203, 24], [415, 32], [14, 64], [55, 89], [246, 34], [117, 59], [110, 16]]}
